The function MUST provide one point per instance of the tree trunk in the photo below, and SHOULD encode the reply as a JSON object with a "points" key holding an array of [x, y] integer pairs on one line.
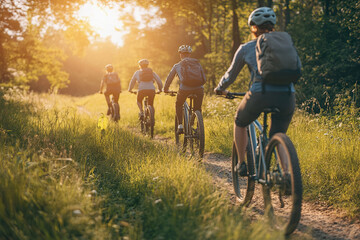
{"points": [[261, 3], [235, 29], [287, 13], [270, 3]]}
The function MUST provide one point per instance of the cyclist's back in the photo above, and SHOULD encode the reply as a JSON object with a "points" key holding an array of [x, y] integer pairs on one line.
{"points": [[188, 85], [113, 85], [145, 78]]}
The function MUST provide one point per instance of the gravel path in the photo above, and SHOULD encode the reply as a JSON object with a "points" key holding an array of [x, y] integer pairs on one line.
{"points": [[318, 221]]}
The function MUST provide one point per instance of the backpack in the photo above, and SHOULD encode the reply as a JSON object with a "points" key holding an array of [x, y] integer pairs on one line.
{"points": [[192, 72], [112, 78], [146, 75], [277, 59]]}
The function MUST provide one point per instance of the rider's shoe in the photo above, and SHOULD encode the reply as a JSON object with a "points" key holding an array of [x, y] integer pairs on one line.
{"points": [[243, 170], [108, 111], [180, 129], [141, 115]]}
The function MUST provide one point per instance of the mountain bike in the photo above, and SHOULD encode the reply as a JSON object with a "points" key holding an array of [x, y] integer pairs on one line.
{"points": [[275, 165], [147, 122], [114, 110], [194, 134]]}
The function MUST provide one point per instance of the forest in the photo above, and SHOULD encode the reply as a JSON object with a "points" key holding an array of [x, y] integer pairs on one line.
{"points": [[46, 47]]}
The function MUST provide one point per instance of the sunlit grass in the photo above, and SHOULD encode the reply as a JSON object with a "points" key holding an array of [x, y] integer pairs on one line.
{"points": [[329, 155], [64, 178]]}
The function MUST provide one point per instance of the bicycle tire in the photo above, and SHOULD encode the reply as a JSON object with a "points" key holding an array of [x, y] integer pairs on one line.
{"points": [[115, 112], [197, 144], [244, 187], [280, 172], [150, 121], [179, 138]]}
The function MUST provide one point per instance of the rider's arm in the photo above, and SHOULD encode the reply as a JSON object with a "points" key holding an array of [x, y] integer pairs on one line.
{"points": [[170, 78], [237, 64], [158, 81], [133, 81]]}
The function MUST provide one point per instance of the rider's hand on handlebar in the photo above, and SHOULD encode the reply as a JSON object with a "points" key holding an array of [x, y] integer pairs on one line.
{"points": [[219, 92]]}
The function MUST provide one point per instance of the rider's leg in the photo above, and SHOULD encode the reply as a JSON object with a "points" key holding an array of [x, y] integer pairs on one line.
{"points": [[180, 99], [281, 121], [241, 141], [199, 98], [139, 99]]}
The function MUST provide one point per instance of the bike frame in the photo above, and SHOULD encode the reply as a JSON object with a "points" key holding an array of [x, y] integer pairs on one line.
{"points": [[259, 143], [188, 109]]}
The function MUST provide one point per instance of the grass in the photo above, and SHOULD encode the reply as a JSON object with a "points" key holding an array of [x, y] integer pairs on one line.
{"points": [[329, 152], [63, 178]]}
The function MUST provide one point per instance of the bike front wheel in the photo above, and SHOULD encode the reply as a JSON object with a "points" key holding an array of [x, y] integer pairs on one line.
{"points": [[283, 193], [197, 135], [244, 186]]}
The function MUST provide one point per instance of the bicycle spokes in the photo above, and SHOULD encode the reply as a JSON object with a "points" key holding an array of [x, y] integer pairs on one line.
{"points": [[283, 193]]}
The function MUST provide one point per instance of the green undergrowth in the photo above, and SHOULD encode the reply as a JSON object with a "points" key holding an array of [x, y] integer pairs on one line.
{"points": [[63, 178]]}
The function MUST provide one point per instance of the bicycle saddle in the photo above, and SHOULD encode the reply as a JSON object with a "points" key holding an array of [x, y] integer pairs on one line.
{"points": [[271, 110]]}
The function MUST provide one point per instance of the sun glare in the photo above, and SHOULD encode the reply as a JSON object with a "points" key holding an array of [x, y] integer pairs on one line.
{"points": [[104, 20]]}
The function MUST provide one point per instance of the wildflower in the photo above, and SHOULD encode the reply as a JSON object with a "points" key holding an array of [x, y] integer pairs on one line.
{"points": [[158, 201]]}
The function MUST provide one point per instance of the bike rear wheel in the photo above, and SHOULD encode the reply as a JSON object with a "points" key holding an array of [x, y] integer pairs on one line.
{"points": [[181, 141], [244, 187], [197, 135], [115, 112], [149, 121], [283, 195]]}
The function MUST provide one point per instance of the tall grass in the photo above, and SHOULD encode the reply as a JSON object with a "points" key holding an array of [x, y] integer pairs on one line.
{"points": [[329, 152], [63, 178]]}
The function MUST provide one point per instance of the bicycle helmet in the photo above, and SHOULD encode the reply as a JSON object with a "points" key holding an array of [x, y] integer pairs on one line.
{"points": [[185, 49], [262, 15], [143, 62], [109, 68]]}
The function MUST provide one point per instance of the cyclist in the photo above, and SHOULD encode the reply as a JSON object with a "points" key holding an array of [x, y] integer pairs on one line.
{"points": [[145, 78], [186, 89], [261, 20], [113, 86]]}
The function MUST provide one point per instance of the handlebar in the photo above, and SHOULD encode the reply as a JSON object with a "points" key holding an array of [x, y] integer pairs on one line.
{"points": [[232, 95], [135, 92]]}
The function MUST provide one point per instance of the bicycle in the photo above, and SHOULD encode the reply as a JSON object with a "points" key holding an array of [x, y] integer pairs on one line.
{"points": [[114, 110], [147, 122], [277, 172], [193, 128]]}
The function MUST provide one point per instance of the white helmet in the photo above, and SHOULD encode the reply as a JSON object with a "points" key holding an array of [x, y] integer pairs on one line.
{"points": [[262, 15], [109, 68], [143, 62], [185, 49]]}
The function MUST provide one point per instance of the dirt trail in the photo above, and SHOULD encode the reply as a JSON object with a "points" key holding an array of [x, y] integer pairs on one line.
{"points": [[317, 220]]}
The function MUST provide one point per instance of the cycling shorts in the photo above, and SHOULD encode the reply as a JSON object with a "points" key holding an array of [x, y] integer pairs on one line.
{"points": [[253, 104]]}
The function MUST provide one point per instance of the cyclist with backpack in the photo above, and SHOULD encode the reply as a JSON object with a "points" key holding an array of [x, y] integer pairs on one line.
{"points": [[192, 79], [113, 86], [145, 77], [274, 66]]}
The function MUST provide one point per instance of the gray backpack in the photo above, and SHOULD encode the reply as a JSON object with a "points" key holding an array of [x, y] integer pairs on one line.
{"points": [[277, 59], [192, 72], [146, 75]]}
